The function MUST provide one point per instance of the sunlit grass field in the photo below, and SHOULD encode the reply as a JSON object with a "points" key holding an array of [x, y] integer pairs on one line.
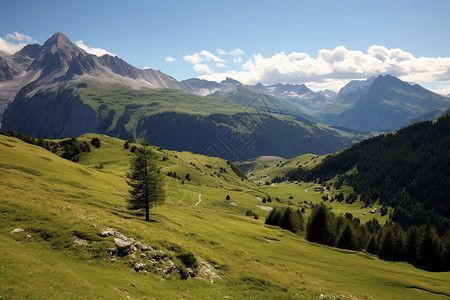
{"points": [[55, 201]]}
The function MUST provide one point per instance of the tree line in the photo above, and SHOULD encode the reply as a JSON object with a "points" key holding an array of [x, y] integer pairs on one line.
{"points": [[420, 246], [408, 170]]}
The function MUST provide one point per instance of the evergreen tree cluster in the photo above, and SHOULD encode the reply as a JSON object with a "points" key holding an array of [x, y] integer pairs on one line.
{"points": [[408, 170], [286, 218], [96, 142], [29, 139], [236, 170], [421, 246], [276, 179], [72, 148]]}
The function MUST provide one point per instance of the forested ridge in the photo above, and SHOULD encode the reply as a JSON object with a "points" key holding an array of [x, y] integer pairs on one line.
{"points": [[408, 170]]}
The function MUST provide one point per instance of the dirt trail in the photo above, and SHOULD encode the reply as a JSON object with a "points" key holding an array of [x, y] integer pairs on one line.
{"points": [[199, 199]]}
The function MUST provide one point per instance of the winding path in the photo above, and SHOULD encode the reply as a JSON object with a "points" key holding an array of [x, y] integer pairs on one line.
{"points": [[199, 199]]}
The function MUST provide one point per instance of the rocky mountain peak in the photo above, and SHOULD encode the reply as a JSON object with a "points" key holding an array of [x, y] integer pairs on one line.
{"points": [[32, 51], [230, 80], [59, 42]]}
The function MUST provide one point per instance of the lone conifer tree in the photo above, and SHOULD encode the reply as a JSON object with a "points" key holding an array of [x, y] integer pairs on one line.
{"points": [[145, 180]]}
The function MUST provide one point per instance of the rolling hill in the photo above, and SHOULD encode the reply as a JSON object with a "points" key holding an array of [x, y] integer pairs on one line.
{"points": [[408, 170], [67, 211], [173, 119]]}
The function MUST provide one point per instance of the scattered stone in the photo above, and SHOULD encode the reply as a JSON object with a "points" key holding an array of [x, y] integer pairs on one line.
{"points": [[143, 255], [233, 204], [17, 230], [139, 266], [119, 288], [133, 284], [93, 225], [145, 248], [205, 271], [107, 232], [133, 248], [111, 251], [266, 208], [28, 236], [113, 259], [122, 246], [81, 241]]}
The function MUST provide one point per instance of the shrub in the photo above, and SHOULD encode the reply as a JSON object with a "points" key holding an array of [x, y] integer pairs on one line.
{"points": [[251, 213], [286, 218], [188, 259], [95, 142]]}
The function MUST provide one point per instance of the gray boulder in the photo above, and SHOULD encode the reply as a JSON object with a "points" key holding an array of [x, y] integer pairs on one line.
{"points": [[123, 247]]}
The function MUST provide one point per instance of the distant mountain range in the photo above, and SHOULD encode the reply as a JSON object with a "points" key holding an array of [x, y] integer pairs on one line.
{"points": [[58, 89], [383, 103]]}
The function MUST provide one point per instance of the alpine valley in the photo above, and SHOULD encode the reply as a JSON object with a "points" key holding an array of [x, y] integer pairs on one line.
{"points": [[271, 191], [59, 90]]}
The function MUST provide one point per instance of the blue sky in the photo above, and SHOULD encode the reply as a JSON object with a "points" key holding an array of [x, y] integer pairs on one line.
{"points": [[320, 43]]}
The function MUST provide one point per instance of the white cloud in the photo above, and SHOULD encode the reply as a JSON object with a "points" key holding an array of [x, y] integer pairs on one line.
{"points": [[235, 52], [170, 59], [20, 37], [96, 51], [220, 65], [334, 68], [201, 56], [202, 68], [14, 42], [198, 59], [440, 87], [237, 59], [10, 47]]}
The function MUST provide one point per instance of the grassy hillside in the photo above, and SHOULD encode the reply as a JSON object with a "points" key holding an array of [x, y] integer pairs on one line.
{"points": [[408, 169], [60, 253], [177, 120]]}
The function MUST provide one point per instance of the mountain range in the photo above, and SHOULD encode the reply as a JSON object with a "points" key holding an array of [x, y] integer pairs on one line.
{"points": [[383, 103], [57, 89], [60, 90]]}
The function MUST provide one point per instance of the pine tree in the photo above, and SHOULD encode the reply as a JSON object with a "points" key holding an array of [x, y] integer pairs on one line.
{"points": [[387, 245], [429, 249], [412, 237], [318, 228], [372, 245], [347, 239], [145, 180]]}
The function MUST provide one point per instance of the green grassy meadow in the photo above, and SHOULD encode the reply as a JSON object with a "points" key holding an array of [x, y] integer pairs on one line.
{"points": [[56, 201]]}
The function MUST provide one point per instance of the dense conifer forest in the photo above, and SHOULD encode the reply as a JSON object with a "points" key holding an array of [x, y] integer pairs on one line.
{"points": [[408, 170]]}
